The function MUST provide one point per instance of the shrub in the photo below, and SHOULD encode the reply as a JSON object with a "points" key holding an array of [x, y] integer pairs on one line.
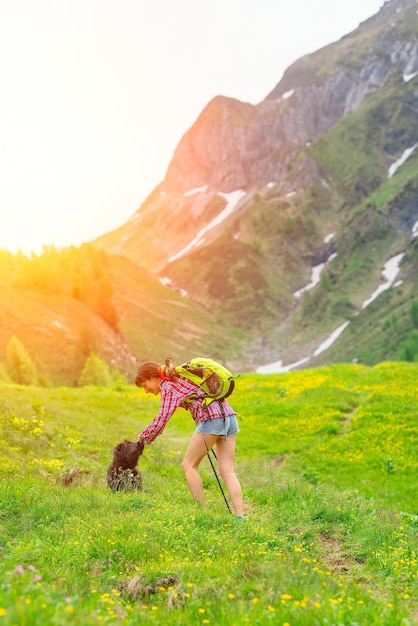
{"points": [[95, 372]]}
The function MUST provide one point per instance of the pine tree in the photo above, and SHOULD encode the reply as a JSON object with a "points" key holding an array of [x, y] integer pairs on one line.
{"points": [[19, 366], [414, 313]]}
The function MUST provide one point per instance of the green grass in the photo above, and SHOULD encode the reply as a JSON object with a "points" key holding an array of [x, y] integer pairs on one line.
{"points": [[327, 459]]}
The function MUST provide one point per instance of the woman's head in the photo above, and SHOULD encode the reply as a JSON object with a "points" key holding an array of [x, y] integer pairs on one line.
{"points": [[146, 371], [149, 370], [148, 377]]}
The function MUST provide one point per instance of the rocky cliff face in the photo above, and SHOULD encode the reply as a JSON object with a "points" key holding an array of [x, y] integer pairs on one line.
{"points": [[235, 145]]}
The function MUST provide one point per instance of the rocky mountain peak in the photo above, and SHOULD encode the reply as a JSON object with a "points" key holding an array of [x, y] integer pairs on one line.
{"points": [[209, 153], [236, 145]]}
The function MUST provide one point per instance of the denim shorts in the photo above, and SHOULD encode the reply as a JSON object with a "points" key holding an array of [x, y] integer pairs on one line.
{"points": [[223, 426]]}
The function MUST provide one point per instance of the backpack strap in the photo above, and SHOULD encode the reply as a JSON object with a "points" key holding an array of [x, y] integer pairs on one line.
{"points": [[222, 408]]}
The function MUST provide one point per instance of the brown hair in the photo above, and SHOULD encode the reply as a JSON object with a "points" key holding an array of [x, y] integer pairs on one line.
{"points": [[151, 369]]}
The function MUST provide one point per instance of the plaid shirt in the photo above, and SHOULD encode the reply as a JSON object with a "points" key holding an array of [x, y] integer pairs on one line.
{"points": [[172, 396]]}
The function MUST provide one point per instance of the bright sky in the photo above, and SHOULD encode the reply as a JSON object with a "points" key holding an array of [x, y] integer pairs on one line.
{"points": [[96, 94]]}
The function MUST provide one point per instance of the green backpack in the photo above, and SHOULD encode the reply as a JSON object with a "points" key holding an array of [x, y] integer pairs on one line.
{"points": [[213, 378]]}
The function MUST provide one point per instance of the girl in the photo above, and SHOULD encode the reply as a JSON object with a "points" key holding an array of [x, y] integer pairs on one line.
{"points": [[216, 424]]}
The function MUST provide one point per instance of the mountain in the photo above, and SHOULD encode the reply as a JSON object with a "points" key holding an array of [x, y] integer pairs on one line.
{"points": [[256, 196], [284, 233]]}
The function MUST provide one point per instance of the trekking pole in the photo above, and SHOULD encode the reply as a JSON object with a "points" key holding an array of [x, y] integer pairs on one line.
{"points": [[216, 474], [219, 483]]}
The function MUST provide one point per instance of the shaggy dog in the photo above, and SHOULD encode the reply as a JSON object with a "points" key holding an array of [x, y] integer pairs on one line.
{"points": [[122, 474]]}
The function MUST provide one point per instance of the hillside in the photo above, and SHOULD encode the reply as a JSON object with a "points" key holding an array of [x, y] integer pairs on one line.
{"points": [[326, 458], [323, 171], [65, 304]]}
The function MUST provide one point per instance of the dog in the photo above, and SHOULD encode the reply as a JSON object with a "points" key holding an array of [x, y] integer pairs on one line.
{"points": [[122, 474]]}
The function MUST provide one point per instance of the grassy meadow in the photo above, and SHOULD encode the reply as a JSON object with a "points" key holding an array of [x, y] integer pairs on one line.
{"points": [[329, 466]]}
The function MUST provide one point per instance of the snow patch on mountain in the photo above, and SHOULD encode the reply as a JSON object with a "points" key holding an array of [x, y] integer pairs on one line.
{"points": [[288, 94], [191, 192], [232, 199], [279, 368], [329, 237], [408, 77], [397, 164], [389, 273], [331, 339], [315, 277]]}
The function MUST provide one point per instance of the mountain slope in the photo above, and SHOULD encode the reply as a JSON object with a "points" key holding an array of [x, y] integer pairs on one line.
{"points": [[311, 162]]}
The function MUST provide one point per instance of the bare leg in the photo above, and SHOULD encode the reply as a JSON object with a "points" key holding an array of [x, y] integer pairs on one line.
{"points": [[198, 448], [195, 452], [226, 455]]}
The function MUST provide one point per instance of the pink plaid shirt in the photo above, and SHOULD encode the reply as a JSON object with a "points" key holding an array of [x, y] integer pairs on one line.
{"points": [[172, 396]]}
